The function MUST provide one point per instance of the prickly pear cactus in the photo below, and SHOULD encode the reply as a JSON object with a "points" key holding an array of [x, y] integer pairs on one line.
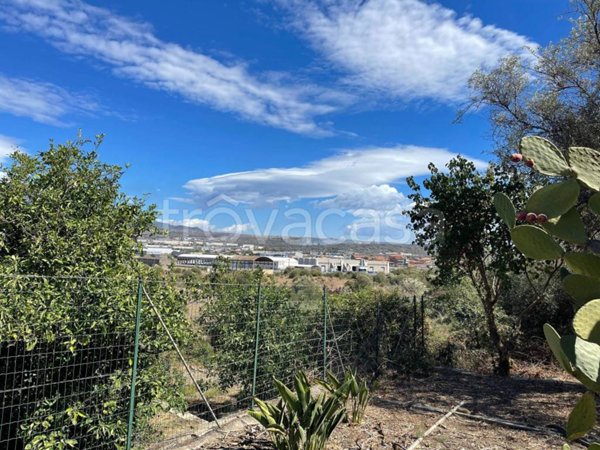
{"points": [[551, 228]]}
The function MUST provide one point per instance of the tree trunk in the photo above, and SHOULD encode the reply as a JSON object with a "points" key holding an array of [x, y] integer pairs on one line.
{"points": [[502, 366]]}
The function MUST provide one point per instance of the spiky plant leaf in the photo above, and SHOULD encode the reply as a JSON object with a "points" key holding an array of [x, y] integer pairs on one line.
{"points": [[547, 158], [582, 418], [505, 208], [583, 264], [586, 322], [553, 339], [569, 227], [584, 356], [535, 243], [555, 199], [586, 164], [581, 288]]}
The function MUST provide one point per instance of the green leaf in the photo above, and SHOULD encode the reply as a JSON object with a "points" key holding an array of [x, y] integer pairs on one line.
{"points": [[547, 158], [569, 227], [594, 446], [583, 417], [581, 288], [535, 243], [505, 208], [555, 199], [583, 264], [584, 356], [594, 203], [586, 164], [586, 322], [553, 339]]}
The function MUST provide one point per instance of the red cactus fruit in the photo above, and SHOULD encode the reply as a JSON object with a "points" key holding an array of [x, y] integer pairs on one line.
{"points": [[542, 218], [529, 162], [521, 216], [516, 157], [531, 217]]}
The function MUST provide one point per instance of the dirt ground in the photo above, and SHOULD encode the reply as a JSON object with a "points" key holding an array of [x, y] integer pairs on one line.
{"points": [[393, 420]]}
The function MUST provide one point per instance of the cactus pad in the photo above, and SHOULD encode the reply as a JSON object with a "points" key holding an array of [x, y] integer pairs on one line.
{"points": [[583, 264], [586, 164], [555, 199], [547, 158], [553, 339], [569, 227], [535, 243], [587, 320], [582, 418], [585, 357], [505, 209], [581, 288]]}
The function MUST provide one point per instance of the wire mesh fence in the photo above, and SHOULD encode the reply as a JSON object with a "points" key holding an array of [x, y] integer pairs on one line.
{"points": [[71, 349]]}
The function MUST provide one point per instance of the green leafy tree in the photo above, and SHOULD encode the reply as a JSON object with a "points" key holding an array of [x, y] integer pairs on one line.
{"points": [[457, 224], [554, 92], [68, 281]]}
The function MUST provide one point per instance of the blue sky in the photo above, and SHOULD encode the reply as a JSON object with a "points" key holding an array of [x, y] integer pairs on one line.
{"points": [[300, 117]]}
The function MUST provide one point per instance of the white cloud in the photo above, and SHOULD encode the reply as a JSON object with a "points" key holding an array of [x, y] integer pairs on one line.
{"points": [[381, 197], [345, 176], [42, 102], [7, 146], [134, 52], [407, 49]]}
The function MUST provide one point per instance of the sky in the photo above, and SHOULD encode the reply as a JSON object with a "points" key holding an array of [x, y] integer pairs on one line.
{"points": [[282, 117]]}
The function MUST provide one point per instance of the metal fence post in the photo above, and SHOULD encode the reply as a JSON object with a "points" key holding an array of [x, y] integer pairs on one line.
{"points": [[422, 322], [256, 340], [324, 332], [415, 323], [136, 345]]}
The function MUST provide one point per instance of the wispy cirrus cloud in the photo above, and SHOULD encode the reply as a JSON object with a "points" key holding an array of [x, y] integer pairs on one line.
{"points": [[350, 180], [40, 101], [407, 49], [134, 52]]}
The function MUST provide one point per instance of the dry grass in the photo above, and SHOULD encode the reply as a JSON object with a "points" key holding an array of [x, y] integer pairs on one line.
{"points": [[542, 402]]}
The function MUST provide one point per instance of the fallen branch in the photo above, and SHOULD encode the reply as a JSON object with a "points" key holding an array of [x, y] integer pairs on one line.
{"points": [[434, 426]]}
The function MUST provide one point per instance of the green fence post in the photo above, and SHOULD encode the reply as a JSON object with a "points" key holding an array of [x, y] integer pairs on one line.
{"points": [[415, 323], [422, 323], [136, 345], [256, 340], [324, 333]]}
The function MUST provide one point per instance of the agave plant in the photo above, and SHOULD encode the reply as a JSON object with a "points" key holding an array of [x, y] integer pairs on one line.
{"points": [[350, 389], [299, 421], [553, 229]]}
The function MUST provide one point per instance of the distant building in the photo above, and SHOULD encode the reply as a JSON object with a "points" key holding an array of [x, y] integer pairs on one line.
{"points": [[328, 264], [155, 251], [237, 262], [156, 260]]}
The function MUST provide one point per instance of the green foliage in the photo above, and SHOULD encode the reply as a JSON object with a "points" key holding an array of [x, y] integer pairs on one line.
{"points": [[578, 354], [300, 421], [66, 225], [352, 390], [548, 159], [457, 224], [228, 322], [582, 418]]}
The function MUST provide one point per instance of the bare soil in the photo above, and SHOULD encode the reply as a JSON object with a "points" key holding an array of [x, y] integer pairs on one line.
{"points": [[393, 422]]}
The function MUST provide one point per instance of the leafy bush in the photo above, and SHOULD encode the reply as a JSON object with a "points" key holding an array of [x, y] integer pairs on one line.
{"points": [[68, 274], [299, 421], [350, 389]]}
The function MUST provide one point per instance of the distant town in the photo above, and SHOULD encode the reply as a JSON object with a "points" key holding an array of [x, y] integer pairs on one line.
{"points": [[194, 252]]}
